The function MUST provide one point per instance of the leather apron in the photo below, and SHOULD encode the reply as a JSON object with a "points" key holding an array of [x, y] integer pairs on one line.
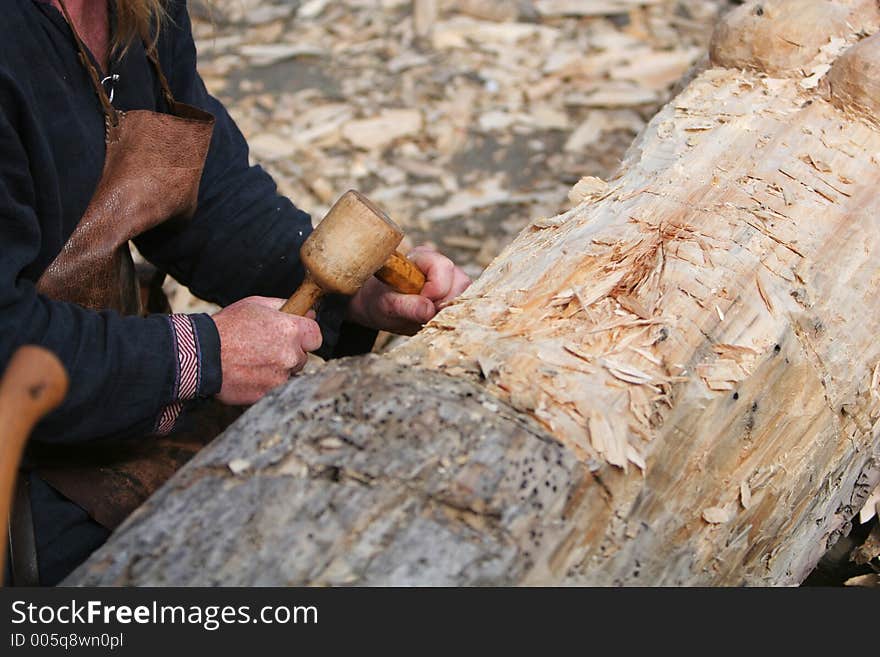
{"points": [[151, 176]]}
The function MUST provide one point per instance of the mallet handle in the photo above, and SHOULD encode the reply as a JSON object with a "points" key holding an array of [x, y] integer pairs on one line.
{"points": [[35, 383], [306, 295], [398, 273], [401, 275]]}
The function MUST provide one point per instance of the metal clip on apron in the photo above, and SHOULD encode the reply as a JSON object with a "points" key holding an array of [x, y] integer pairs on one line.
{"points": [[151, 176]]}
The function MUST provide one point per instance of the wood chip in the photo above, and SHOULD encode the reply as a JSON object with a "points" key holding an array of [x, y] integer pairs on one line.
{"points": [[723, 374], [634, 305], [588, 188], [716, 515], [610, 96], [818, 165], [272, 53], [312, 8], [380, 131], [634, 457], [272, 147], [238, 466], [871, 507], [647, 355], [587, 133], [745, 495], [591, 8], [463, 242], [869, 549], [605, 440], [628, 323], [424, 16], [737, 352], [763, 293], [871, 581], [627, 373], [330, 443]]}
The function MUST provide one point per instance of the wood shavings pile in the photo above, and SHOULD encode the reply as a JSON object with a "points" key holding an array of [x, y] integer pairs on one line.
{"points": [[464, 119]]}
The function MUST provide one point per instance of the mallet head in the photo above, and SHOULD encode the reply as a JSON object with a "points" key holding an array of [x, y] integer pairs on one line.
{"points": [[350, 244]]}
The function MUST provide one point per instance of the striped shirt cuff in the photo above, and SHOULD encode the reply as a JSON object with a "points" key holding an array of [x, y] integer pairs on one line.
{"points": [[188, 372]]}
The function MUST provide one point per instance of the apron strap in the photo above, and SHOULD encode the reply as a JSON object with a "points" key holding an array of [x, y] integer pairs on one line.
{"points": [[109, 111], [163, 81]]}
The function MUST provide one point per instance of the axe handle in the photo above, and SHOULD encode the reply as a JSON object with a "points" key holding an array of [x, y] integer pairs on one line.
{"points": [[35, 383], [401, 275]]}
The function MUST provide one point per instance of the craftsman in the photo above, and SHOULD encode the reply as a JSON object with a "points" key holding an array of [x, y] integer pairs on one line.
{"points": [[81, 174]]}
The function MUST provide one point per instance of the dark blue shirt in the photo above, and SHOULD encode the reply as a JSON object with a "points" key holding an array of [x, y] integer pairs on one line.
{"points": [[243, 240]]}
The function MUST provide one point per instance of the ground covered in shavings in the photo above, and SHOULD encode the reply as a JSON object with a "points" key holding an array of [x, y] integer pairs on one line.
{"points": [[464, 126]]}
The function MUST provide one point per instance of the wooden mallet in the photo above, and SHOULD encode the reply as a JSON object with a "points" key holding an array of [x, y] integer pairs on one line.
{"points": [[355, 240], [35, 383]]}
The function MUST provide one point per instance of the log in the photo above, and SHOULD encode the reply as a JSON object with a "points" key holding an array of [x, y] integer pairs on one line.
{"points": [[677, 382]]}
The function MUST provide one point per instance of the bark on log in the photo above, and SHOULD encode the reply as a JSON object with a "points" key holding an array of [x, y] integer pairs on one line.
{"points": [[676, 382]]}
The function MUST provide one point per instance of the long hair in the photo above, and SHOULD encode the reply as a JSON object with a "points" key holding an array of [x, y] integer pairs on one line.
{"points": [[137, 19]]}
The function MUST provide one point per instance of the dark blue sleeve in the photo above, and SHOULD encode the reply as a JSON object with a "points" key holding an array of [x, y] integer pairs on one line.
{"points": [[245, 237], [122, 369]]}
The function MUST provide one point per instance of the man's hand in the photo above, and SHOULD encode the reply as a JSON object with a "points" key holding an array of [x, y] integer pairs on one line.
{"points": [[377, 306], [260, 347]]}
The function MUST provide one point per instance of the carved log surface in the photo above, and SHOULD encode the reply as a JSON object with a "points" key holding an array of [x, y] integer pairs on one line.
{"points": [[699, 336]]}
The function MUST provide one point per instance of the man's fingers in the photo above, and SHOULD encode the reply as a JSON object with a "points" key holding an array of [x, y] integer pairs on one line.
{"points": [[268, 302], [408, 307], [460, 282], [297, 361], [439, 272], [307, 332], [260, 347], [304, 328]]}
